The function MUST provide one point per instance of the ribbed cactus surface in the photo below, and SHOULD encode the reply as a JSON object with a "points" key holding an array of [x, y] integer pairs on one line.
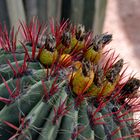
{"points": [[63, 83]]}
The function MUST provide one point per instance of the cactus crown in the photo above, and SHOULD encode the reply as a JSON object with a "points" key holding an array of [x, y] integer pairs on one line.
{"points": [[64, 84]]}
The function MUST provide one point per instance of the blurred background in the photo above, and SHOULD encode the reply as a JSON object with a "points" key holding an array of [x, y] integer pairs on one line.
{"points": [[119, 17], [123, 21], [78, 11]]}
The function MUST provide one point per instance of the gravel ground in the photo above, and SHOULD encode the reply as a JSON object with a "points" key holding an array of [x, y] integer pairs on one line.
{"points": [[123, 21]]}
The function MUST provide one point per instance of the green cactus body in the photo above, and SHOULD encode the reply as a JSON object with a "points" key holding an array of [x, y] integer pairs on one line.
{"points": [[37, 100]]}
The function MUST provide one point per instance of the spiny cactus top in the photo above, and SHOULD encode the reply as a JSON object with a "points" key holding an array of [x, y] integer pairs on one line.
{"points": [[63, 83]]}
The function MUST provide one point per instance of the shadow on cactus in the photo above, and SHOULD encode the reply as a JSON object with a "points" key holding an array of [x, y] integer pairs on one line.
{"points": [[64, 83]]}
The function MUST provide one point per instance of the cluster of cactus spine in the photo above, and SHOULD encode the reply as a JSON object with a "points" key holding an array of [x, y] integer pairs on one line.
{"points": [[64, 84]]}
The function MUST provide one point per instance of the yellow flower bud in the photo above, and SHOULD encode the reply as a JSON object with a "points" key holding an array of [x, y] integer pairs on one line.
{"points": [[109, 87], [80, 82], [65, 59], [48, 57], [93, 56], [76, 45]]}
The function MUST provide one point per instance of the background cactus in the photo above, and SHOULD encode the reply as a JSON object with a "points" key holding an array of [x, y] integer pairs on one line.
{"points": [[70, 96]]}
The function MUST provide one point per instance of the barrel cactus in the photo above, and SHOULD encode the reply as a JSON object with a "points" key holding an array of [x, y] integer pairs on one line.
{"points": [[63, 83]]}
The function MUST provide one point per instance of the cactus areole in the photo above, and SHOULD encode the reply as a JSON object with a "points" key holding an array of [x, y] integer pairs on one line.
{"points": [[59, 82]]}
